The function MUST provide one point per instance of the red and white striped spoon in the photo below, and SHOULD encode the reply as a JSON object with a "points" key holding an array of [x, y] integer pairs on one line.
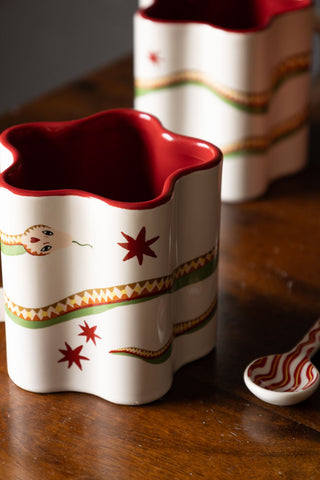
{"points": [[286, 378]]}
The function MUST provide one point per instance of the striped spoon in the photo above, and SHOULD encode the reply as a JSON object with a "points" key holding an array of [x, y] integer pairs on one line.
{"points": [[286, 378]]}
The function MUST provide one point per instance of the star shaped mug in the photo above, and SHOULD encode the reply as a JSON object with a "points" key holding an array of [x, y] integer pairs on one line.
{"points": [[109, 241], [234, 73]]}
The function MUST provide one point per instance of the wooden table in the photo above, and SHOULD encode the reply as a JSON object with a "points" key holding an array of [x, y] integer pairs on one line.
{"points": [[209, 426]]}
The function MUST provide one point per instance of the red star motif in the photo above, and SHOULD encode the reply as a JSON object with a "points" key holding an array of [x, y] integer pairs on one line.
{"points": [[138, 246], [154, 58], [89, 332], [72, 356]]}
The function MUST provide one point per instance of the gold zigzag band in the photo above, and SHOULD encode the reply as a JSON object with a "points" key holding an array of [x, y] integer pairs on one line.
{"points": [[263, 142], [294, 65], [10, 239], [184, 327], [111, 295], [178, 329], [144, 354]]}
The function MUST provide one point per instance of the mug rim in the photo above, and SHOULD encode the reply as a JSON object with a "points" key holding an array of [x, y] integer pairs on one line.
{"points": [[168, 185], [265, 25]]}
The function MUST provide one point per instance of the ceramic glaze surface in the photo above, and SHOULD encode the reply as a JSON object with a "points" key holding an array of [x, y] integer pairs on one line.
{"points": [[238, 77], [110, 262]]}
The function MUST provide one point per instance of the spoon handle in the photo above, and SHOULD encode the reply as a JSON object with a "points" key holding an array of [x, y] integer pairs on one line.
{"points": [[310, 343]]}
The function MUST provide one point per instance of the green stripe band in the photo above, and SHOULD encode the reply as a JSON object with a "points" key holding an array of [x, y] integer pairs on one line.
{"points": [[247, 107], [193, 277], [12, 249]]}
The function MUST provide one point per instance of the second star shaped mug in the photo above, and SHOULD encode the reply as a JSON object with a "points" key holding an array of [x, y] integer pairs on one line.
{"points": [[235, 73]]}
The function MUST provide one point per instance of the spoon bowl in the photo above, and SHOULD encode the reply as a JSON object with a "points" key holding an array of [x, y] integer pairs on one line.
{"points": [[287, 378]]}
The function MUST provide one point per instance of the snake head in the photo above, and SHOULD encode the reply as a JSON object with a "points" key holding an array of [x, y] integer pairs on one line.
{"points": [[42, 240]]}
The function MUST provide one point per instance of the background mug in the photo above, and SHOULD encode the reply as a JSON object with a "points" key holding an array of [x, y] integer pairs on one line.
{"points": [[236, 74]]}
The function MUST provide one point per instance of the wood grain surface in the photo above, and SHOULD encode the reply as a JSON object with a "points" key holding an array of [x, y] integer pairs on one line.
{"points": [[209, 426]]}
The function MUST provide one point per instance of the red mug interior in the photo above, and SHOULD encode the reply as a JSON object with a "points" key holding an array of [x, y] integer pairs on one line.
{"points": [[226, 14], [121, 155]]}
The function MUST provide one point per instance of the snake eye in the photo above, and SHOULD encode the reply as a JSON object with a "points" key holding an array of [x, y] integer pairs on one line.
{"points": [[46, 248], [47, 232]]}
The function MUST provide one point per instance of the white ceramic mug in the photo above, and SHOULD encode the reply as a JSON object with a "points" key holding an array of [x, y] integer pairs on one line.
{"points": [[233, 73], [109, 244]]}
